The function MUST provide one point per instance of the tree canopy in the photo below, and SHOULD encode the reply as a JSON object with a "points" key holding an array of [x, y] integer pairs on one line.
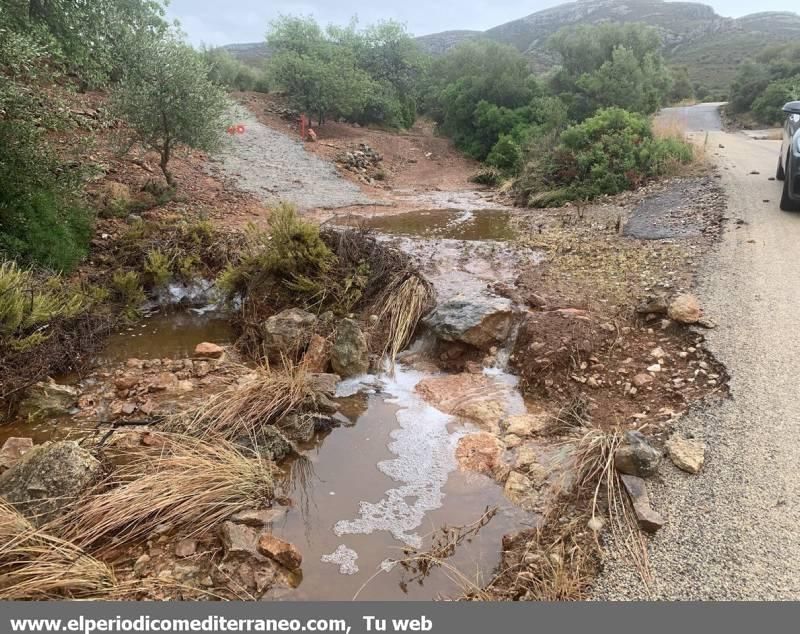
{"points": [[364, 75]]}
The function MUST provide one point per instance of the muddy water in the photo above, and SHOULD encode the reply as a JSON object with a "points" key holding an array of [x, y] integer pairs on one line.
{"points": [[368, 491], [450, 224], [167, 335]]}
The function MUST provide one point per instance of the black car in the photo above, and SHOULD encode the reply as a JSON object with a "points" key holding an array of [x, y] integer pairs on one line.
{"points": [[789, 162]]}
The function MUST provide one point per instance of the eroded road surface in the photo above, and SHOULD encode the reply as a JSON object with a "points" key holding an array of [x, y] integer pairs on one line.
{"points": [[733, 532]]}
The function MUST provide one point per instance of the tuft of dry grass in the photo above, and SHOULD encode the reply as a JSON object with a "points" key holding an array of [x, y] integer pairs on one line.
{"points": [[189, 485], [35, 564], [401, 307], [263, 398]]}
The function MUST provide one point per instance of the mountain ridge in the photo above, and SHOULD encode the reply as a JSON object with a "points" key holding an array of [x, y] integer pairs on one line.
{"points": [[694, 35]]}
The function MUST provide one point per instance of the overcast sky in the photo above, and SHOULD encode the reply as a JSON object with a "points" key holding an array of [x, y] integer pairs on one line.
{"points": [[219, 22]]}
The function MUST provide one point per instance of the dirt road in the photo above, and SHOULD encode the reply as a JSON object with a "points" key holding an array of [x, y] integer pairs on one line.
{"points": [[733, 531]]}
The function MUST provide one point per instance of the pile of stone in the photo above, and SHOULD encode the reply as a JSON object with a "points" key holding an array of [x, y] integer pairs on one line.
{"points": [[360, 159], [282, 111]]}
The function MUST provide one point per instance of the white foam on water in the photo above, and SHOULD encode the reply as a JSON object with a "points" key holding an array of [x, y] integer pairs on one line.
{"points": [[425, 451], [345, 557]]}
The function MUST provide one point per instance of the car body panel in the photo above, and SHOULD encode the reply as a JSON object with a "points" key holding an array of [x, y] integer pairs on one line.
{"points": [[790, 152]]}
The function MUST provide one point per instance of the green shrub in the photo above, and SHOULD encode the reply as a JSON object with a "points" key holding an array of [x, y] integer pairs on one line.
{"points": [[157, 268], [608, 153], [768, 107], [42, 220], [506, 155], [126, 289], [29, 301]]}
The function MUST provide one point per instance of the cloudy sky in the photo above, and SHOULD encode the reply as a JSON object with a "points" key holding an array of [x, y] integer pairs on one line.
{"points": [[228, 21]]}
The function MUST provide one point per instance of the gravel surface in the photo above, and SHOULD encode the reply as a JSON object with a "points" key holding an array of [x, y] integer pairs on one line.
{"points": [[733, 531], [274, 166]]}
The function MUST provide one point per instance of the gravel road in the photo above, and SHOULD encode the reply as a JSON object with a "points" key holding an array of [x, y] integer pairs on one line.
{"points": [[274, 166], [733, 532]]}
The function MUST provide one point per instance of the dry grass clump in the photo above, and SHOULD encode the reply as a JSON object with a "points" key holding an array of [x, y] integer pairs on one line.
{"points": [[401, 308], [35, 564], [263, 398], [189, 485]]}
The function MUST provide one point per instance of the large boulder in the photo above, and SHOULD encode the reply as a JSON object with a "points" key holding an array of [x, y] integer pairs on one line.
{"points": [[350, 353], [48, 400], [481, 322], [288, 333], [636, 456], [48, 478]]}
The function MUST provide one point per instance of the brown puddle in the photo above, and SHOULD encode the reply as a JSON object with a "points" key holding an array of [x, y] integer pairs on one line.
{"points": [[449, 224], [167, 335], [333, 477]]}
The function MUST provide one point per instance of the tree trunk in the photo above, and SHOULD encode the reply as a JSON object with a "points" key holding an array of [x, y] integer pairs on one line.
{"points": [[165, 152]]}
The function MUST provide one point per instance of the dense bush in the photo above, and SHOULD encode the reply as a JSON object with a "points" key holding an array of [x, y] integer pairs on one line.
{"points": [[42, 220], [366, 76], [612, 151], [605, 65], [761, 83]]}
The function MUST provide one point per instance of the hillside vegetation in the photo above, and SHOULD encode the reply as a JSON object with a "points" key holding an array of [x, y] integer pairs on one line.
{"points": [[710, 46]]}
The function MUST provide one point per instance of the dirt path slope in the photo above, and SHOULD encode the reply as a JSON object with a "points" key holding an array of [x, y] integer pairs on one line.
{"points": [[733, 531], [274, 167]]}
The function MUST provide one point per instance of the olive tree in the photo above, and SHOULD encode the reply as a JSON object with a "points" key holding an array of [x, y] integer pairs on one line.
{"points": [[167, 100]]}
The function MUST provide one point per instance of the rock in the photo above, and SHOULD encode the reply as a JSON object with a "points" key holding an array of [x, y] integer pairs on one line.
{"points": [[640, 380], [324, 383], [185, 548], [685, 309], [476, 397], [479, 322], [654, 368], [688, 455], [511, 441], [526, 424], [283, 552], [298, 427], [126, 382], [48, 478], [287, 333], [258, 518], [48, 400], [318, 354], [13, 449], [268, 442], [636, 456], [140, 565], [480, 453], [350, 354], [208, 350], [184, 386], [653, 306], [239, 540], [519, 489], [649, 520], [164, 382]]}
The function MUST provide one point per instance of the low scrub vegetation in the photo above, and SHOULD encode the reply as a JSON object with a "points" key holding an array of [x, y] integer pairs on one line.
{"points": [[608, 153], [763, 85], [581, 132]]}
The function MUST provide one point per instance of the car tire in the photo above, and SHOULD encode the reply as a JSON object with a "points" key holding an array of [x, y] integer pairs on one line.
{"points": [[781, 173], [787, 204]]}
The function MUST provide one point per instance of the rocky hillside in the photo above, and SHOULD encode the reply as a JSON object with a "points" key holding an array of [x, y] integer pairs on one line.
{"points": [[712, 46], [694, 35]]}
